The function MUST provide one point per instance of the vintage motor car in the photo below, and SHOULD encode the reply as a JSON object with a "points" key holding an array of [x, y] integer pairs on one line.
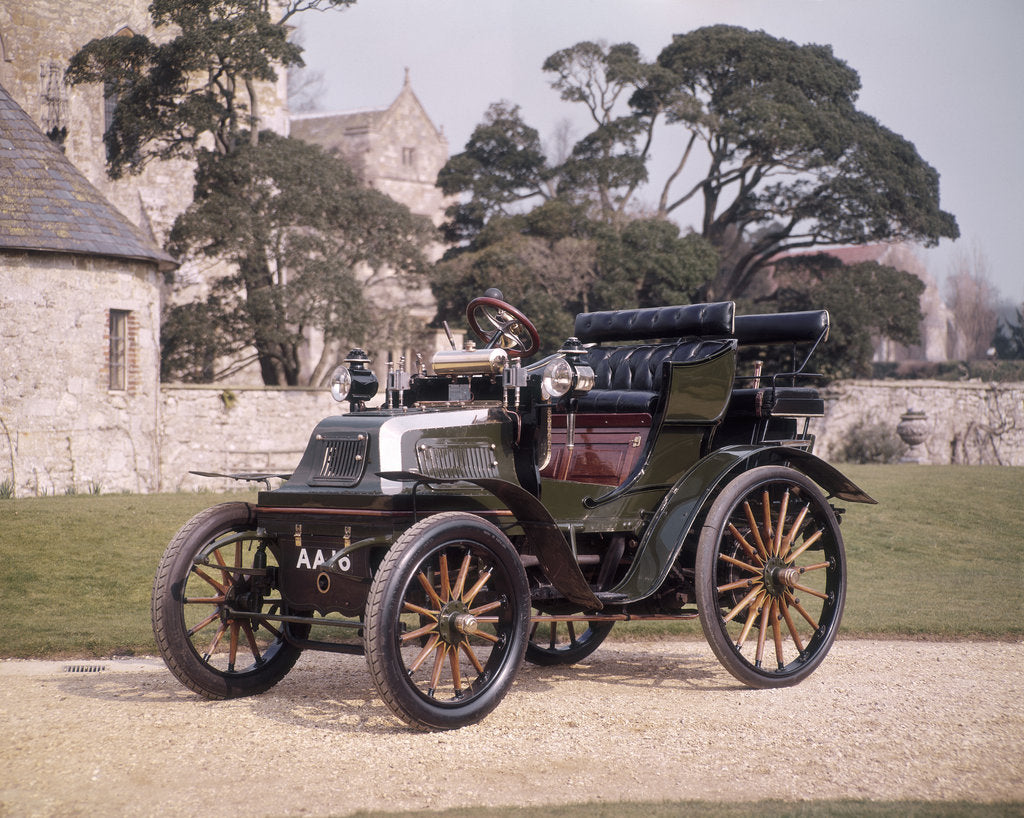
{"points": [[490, 510]]}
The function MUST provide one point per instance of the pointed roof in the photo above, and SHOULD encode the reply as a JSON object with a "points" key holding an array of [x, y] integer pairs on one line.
{"points": [[46, 204], [329, 128]]}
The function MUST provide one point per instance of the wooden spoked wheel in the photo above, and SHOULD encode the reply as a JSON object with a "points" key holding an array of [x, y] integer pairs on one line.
{"points": [[554, 642], [212, 574], [771, 577], [447, 621]]}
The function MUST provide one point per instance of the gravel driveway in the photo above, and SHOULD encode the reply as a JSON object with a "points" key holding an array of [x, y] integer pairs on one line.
{"points": [[637, 721]]}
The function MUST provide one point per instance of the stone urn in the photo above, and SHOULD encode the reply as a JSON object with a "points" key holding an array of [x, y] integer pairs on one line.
{"points": [[913, 430]]}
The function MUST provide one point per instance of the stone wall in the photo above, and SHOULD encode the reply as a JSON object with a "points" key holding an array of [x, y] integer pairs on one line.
{"points": [[969, 423], [259, 429]]}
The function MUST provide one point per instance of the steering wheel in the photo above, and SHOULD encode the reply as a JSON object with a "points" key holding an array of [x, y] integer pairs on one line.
{"points": [[500, 324]]}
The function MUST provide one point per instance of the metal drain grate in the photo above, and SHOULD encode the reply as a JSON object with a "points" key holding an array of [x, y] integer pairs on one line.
{"points": [[84, 668]]}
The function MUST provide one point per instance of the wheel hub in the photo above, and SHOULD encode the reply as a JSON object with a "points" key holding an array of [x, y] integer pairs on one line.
{"points": [[454, 621], [779, 577]]}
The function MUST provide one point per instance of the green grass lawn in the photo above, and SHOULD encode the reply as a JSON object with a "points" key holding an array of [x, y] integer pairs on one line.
{"points": [[940, 556]]}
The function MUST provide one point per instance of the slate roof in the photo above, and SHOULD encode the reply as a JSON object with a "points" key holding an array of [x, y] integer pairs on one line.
{"points": [[47, 204]]}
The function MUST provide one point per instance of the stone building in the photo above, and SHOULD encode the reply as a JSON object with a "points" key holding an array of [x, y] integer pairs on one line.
{"points": [[37, 40], [79, 324], [399, 151]]}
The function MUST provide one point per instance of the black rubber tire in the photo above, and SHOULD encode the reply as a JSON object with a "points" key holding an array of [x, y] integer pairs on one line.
{"points": [[785, 632], [548, 649], [413, 690], [214, 675]]}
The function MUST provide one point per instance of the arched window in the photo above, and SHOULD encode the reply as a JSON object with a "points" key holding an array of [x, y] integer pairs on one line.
{"points": [[110, 95]]}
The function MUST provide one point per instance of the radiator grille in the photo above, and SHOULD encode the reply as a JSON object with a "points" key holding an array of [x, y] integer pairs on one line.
{"points": [[457, 459], [341, 460]]}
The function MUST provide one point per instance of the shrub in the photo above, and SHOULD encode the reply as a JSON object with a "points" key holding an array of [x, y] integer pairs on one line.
{"points": [[872, 443]]}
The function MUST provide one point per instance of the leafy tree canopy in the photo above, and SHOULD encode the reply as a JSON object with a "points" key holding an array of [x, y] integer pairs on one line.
{"points": [[304, 236], [773, 151], [865, 301], [199, 84], [555, 261]]}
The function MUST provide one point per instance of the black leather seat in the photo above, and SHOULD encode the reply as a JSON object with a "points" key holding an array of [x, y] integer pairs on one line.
{"points": [[628, 379]]}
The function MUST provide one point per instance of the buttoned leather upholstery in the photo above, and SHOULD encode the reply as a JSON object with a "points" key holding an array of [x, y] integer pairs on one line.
{"points": [[628, 378]]}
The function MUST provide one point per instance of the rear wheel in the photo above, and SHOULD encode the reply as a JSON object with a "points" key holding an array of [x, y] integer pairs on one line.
{"points": [[213, 572], [771, 577], [565, 643], [447, 621]]}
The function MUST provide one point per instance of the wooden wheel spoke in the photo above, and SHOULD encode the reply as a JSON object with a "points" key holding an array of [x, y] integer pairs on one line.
{"points": [[811, 591], [203, 600], [196, 628], [741, 540], [794, 529], [416, 634], [817, 535], [733, 586], [453, 658], [751, 616], [250, 637], [446, 585], [435, 676], [743, 603], [423, 654], [233, 646], [220, 586], [471, 655], [552, 635], [492, 605], [777, 633], [755, 530], [816, 567], [477, 587], [740, 564], [216, 641], [792, 628], [460, 580], [792, 600], [487, 637], [278, 634], [762, 634], [766, 512], [572, 632], [223, 566], [781, 523], [412, 607], [429, 589]]}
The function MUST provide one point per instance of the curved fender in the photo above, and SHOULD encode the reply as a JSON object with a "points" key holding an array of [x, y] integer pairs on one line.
{"points": [[553, 552], [683, 505]]}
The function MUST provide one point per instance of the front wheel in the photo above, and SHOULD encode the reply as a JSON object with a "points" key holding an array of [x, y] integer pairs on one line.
{"points": [[771, 577], [214, 572], [447, 621]]}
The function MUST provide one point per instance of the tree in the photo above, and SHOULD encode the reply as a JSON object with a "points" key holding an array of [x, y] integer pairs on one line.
{"points": [[865, 301], [201, 83], [555, 261], [787, 159], [304, 237], [1009, 337], [972, 299], [300, 230]]}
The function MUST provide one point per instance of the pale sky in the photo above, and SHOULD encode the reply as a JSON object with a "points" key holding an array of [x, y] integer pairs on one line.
{"points": [[945, 74]]}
